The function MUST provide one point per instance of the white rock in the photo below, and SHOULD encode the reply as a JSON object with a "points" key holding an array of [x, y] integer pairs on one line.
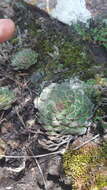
{"points": [[69, 11], [66, 11]]}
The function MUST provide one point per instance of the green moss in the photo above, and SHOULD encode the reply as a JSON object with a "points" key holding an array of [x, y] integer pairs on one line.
{"points": [[101, 181], [104, 150], [14, 41], [85, 166], [34, 29], [73, 54], [69, 56], [59, 53]]}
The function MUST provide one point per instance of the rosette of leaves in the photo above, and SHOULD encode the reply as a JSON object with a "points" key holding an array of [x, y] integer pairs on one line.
{"points": [[66, 107], [7, 97], [23, 59]]}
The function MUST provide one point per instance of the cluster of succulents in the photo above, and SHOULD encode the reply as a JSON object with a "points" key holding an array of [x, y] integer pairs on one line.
{"points": [[23, 59], [66, 107], [7, 97]]}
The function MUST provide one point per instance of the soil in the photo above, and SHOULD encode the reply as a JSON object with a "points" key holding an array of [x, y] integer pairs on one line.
{"points": [[20, 131]]}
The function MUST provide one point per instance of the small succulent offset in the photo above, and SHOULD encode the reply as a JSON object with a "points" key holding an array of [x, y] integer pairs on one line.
{"points": [[7, 97], [65, 108], [23, 59]]}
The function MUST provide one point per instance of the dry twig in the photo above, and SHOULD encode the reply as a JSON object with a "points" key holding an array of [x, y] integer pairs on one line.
{"points": [[20, 118], [52, 153], [86, 142]]}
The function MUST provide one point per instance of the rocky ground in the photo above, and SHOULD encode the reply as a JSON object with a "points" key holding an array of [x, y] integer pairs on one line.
{"points": [[22, 135]]}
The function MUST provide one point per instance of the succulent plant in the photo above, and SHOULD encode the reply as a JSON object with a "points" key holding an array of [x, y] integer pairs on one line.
{"points": [[24, 59], [6, 98], [65, 107]]}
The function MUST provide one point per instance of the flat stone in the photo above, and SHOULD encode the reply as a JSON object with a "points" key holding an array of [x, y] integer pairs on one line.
{"points": [[72, 11], [65, 12]]}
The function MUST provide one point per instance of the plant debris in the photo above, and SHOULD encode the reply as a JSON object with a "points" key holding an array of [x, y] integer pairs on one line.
{"points": [[31, 157]]}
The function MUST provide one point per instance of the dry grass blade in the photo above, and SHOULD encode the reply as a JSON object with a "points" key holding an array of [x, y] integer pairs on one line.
{"points": [[86, 142]]}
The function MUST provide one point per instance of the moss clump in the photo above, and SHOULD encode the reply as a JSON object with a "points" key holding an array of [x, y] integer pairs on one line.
{"points": [[73, 55], [66, 58], [60, 54], [84, 167], [101, 180]]}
